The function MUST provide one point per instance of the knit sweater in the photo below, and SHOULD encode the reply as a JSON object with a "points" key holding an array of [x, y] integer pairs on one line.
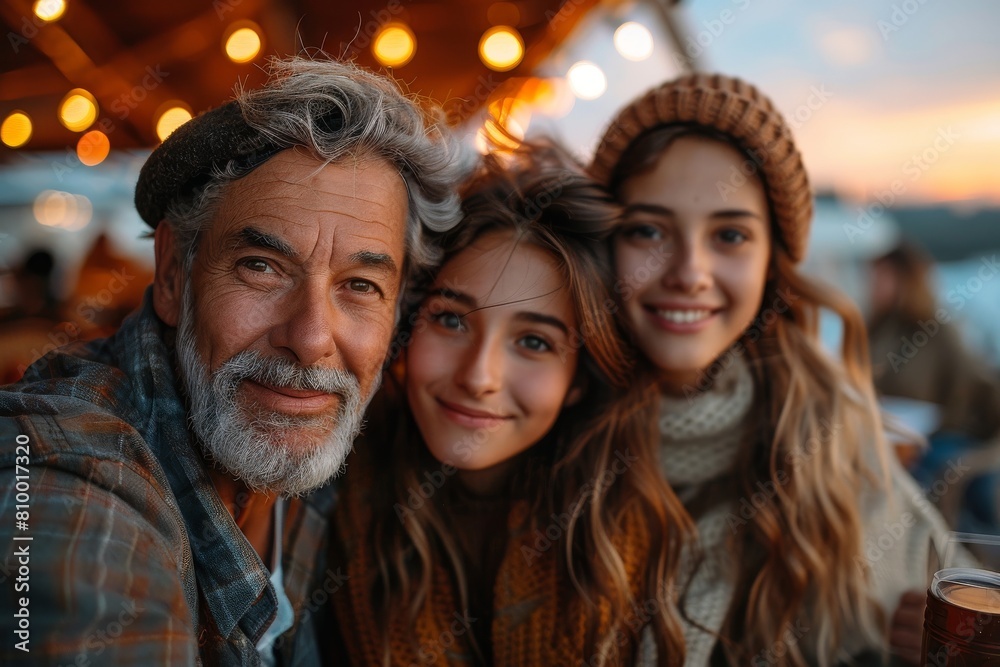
{"points": [[701, 436], [537, 618]]}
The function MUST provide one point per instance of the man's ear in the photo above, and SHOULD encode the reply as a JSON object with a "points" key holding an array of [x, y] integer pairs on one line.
{"points": [[168, 285]]}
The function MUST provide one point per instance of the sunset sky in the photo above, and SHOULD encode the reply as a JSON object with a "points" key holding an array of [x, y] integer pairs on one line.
{"points": [[912, 88], [900, 74]]}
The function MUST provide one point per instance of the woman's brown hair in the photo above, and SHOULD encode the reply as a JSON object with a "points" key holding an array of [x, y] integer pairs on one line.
{"points": [[542, 197], [817, 440]]}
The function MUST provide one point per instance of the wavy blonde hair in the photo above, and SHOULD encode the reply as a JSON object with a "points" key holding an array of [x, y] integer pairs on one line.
{"points": [[544, 198], [815, 415]]}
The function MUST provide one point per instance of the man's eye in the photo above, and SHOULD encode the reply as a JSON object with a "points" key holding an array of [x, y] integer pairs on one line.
{"points": [[256, 265], [363, 286]]}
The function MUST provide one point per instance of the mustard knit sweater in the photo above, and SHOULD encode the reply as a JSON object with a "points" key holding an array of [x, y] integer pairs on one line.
{"points": [[537, 618]]}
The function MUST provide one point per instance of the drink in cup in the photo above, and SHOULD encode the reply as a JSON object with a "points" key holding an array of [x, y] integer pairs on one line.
{"points": [[962, 619]]}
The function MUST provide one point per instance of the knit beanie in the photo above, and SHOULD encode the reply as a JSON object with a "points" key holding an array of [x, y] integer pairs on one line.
{"points": [[738, 110]]}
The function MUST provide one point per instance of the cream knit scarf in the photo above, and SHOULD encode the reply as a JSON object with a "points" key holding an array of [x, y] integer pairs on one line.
{"points": [[701, 436]]}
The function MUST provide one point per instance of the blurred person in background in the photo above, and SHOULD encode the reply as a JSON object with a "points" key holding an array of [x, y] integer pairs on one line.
{"points": [[34, 292], [32, 325], [108, 287], [918, 354]]}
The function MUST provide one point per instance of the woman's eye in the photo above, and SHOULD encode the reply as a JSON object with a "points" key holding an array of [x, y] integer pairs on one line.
{"points": [[732, 236], [641, 231], [256, 265], [448, 320], [535, 344]]}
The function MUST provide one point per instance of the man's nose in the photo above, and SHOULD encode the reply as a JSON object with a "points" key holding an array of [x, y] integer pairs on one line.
{"points": [[309, 322]]}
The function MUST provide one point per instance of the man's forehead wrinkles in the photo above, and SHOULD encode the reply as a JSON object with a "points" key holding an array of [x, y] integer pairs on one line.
{"points": [[377, 239], [309, 215], [367, 198], [374, 228], [237, 208], [349, 207], [349, 210], [316, 199]]}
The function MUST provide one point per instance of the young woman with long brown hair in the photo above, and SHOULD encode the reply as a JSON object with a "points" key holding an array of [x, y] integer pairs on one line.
{"points": [[505, 506], [811, 539]]}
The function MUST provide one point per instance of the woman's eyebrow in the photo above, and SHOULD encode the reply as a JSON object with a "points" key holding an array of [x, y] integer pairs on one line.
{"points": [[654, 209], [452, 295], [737, 213], [525, 315], [542, 318]]}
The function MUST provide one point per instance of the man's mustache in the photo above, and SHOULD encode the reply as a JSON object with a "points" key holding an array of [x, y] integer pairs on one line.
{"points": [[275, 371]]}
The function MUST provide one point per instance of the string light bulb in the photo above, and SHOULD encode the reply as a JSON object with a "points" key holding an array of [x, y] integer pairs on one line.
{"points": [[49, 10], [394, 45], [78, 110], [16, 129], [244, 42], [501, 48], [587, 80], [634, 41], [172, 117]]}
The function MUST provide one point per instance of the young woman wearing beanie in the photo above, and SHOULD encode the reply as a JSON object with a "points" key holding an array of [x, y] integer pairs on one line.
{"points": [[813, 543], [505, 506]]}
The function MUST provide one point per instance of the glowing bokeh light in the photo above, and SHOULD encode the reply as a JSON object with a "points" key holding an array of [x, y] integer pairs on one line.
{"points": [[78, 110], [93, 147], [49, 10], [634, 41], [170, 120], [243, 45], [394, 45], [586, 80], [62, 210], [501, 48], [16, 129]]}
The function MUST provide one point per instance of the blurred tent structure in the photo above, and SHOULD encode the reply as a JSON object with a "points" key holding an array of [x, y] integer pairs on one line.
{"points": [[136, 60]]}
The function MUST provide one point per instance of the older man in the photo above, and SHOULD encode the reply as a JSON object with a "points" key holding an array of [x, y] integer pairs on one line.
{"points": [[158, 489]]}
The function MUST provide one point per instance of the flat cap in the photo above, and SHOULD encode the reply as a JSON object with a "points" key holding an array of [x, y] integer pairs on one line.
{"points": [[217, 138]]}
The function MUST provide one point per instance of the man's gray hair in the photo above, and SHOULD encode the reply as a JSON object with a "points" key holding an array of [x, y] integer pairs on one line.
{"points": [[337, 111]]}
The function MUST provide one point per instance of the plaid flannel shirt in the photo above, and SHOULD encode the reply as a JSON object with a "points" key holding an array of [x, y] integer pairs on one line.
{"points": [[132, 557]]}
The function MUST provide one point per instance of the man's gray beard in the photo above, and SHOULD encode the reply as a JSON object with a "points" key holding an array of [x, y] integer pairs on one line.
{"points": [[255, 447]]}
